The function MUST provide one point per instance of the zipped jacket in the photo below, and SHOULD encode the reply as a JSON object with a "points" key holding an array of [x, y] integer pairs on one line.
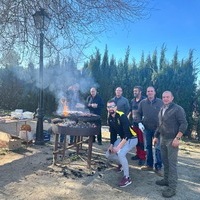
{"points": [[122, 104], [172, 122], [119, 125], [96, 99], [148, 111]]}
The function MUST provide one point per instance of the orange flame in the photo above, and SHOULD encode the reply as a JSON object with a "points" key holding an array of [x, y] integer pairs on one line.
{"points": [[65, 107], [65, 110]]}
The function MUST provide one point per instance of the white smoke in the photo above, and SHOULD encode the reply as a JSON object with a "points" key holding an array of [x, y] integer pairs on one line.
{"points": [[59, 79]]}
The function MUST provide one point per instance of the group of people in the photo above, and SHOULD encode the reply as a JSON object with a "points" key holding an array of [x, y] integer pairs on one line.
{"points": [[163, 123], [153, 125]]}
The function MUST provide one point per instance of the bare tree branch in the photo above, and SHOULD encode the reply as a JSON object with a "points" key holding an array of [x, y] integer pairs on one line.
{"points": [[74, 23]]}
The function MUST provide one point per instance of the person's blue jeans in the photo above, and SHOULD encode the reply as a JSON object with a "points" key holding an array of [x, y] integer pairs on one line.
{"points": [[149, 134]]}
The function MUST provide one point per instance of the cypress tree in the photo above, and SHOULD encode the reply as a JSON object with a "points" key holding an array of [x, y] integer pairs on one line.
{"points": [[126, 84], [105, 74], [113, 75], [163, 63]]}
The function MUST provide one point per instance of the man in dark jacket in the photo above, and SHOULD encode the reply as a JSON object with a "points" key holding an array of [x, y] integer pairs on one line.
{"points": [[95, 104], [140, 151], [122, 140], [172, 126], [148, 110]]}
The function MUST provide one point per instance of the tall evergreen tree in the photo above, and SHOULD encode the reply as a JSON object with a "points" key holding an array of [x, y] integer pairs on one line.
{"points": [[113, 76], [185, 87], [145, 72], [154, 67], [154, 61], [120, 74], [95, 66], [163, 62], [175, 62], [141, 69], [105, 76], [11, 90], [134, 74], [126, 84]]}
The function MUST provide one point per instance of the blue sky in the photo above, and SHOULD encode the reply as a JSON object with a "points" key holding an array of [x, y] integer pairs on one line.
{"points": [[175, 23]]}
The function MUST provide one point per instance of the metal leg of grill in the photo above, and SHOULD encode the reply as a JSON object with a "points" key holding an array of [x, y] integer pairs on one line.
{"points": [[78, 141], [78, 144], [64, 146], [90, 142], [55, 149]]}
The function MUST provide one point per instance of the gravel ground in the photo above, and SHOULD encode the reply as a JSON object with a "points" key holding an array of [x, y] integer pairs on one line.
{"points": [[28, 173]]}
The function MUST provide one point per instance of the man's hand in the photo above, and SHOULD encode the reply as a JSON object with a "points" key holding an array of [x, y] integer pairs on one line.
{"points": [[155, 141], [116, 149], [110, 149], [94, 105], [175, 142]]}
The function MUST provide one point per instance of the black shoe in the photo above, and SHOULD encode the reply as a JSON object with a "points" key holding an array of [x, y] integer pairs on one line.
{"points": [[141, 162], [94, 139], [135, 157], [169, 192], [162, 182]]}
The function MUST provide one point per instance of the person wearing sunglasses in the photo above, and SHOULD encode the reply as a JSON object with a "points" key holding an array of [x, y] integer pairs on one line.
{"points": [[122, 140]]}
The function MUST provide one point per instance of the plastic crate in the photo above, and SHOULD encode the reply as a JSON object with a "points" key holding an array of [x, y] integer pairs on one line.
{"points": [[47, 136]]}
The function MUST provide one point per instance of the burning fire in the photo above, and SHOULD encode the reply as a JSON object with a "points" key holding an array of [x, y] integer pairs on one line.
{"points": [[65, 107]]}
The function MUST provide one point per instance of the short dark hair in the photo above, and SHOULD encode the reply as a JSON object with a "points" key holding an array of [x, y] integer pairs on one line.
{"points": [[138, 87], [112, 101]]}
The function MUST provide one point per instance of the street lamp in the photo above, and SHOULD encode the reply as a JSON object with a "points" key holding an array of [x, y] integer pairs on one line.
{"points": [[41, 20]]}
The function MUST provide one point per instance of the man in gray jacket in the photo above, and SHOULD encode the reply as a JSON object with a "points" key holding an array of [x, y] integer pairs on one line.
{"points": [[148, 110], [172, 125], [122, 102]]}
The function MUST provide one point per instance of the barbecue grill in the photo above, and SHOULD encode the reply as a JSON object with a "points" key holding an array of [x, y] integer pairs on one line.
{"points": [[78, 131], [76, 124], [78, 116]]}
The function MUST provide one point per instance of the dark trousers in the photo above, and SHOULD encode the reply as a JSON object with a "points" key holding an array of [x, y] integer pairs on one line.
{"points": [[99, 136], [150, 161], [169, 157]]}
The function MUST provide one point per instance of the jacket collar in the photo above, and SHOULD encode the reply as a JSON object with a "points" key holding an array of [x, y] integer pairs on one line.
{"points": [[153, 101]]}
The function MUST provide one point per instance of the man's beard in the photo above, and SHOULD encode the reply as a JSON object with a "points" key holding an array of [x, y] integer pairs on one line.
{"points": [[111, 112]]}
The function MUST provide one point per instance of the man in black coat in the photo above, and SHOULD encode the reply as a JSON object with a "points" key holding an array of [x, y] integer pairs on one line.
{"points": [[95, 104]]}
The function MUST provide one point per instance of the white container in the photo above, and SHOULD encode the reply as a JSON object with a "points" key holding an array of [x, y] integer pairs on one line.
{"points": [[16, 115], [19, 111], [28, 115], [13, 114]]}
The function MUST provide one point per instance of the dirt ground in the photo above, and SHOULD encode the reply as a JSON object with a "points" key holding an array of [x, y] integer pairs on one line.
{"points": [[28, 173]]}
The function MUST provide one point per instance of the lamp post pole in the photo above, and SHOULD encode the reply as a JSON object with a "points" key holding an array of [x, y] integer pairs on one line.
{"points": [[40, 111], [41, 20]]}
